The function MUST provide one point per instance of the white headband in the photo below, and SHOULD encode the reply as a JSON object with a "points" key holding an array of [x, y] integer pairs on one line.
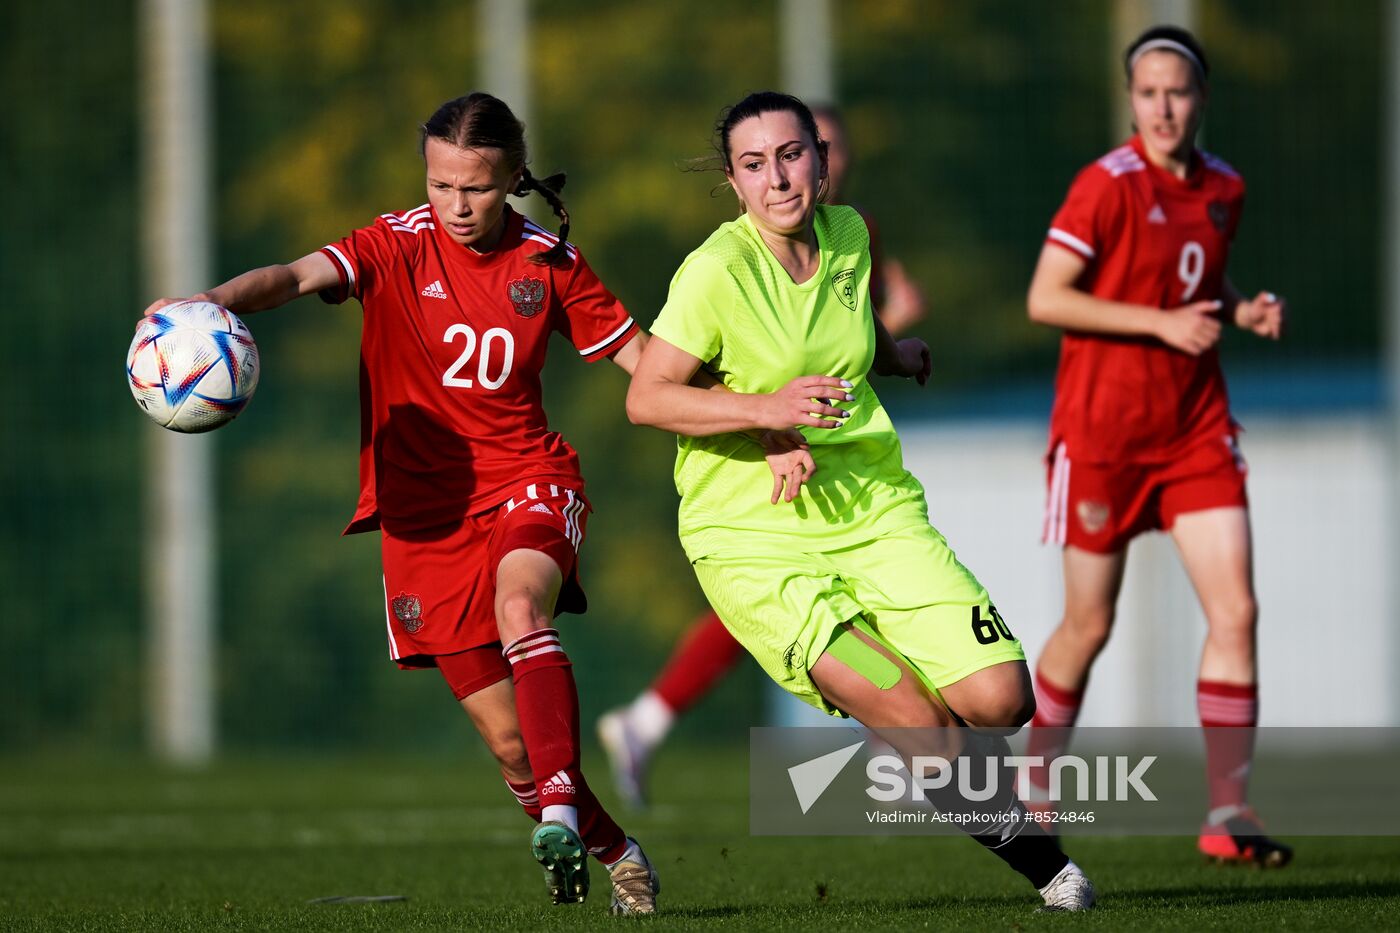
{"points": [[1170, 45]]}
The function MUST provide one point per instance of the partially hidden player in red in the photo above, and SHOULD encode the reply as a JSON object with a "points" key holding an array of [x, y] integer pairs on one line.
{"points": [[480, 506], [1141, 438], [631, 734]]}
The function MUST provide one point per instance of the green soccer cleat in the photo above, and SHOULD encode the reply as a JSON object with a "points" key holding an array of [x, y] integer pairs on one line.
{"points": [[634, 882], [560, 851]]}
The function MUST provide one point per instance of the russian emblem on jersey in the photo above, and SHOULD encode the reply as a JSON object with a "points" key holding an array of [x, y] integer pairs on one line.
{"points": [[527, 294], [844, 284], [1093, 516], [408, 609], [1219, 214]]}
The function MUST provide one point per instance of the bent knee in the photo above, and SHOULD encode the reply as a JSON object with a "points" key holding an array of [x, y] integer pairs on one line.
{"points": [[997, 697], [517, 615], [515, 605], [508, 748], [1008, 712]]}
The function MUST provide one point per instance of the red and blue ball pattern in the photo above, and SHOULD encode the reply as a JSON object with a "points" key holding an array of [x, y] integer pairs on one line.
{"points": [[192, 366]]}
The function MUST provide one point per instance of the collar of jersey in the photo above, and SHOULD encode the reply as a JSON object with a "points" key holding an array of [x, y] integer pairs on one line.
{"points": [[818, 225], [466, 256], [1194, 175]]}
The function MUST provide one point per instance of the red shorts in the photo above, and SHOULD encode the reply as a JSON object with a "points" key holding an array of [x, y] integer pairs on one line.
{"points": [[1100, 507], [475, 669], [440, 583]]}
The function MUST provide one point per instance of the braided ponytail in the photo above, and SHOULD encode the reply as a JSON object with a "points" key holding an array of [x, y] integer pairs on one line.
{"points": [[548, 189]]}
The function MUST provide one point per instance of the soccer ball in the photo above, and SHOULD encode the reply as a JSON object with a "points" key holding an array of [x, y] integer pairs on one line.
{"points": [[192, 366]]}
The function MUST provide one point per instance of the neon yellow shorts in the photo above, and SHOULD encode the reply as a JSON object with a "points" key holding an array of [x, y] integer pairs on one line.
{"points": [[907, 586]]}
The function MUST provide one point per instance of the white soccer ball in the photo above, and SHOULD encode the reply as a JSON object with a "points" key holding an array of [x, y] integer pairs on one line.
{"points": [[192, 366]]}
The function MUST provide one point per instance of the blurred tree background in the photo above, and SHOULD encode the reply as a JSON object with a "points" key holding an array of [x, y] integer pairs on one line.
{"points": [[968, 122]]}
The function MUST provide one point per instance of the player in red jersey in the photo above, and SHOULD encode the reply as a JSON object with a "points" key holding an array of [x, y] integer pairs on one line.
{"points": [[1141, 438], [631, 734], [479, 505]]}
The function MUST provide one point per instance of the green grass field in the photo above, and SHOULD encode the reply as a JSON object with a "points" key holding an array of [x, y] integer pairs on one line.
{"points": [[246, 845]]}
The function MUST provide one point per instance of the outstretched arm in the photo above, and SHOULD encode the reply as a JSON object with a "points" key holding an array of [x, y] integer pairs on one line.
{"points": [[268, 287]]}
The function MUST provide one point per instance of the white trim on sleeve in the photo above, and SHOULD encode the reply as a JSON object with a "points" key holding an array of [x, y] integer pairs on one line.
{"points": [[1072, 241], [345, 266], [608, 339]]}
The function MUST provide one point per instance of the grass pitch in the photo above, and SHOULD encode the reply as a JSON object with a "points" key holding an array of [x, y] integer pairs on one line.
{"points": [[246, 846]]}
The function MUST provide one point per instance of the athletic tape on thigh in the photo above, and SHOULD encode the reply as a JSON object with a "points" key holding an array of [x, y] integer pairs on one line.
{"points": [[854, 652]]}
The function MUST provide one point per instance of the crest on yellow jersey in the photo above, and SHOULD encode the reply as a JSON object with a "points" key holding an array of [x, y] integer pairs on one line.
{"points": [[844, 284]]}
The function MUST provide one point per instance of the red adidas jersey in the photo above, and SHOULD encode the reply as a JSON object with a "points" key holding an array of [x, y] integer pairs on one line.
{"points": [[1153, 239], [450, 360]]}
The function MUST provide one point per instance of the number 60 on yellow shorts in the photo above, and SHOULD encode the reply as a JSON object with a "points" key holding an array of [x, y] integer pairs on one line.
{"points": [[905, 587]]}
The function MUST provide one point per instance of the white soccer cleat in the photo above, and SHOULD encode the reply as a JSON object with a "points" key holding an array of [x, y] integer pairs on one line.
{"points": [[627, 757], [634, 882], [1069, 890]]}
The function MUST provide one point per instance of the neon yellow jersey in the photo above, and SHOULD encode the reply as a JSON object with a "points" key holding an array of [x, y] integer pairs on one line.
{"points": [[733, 306]]}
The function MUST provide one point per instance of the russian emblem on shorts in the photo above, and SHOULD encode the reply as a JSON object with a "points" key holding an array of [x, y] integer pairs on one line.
{"points": [[527, 294], [1219, 214], [844, 284], [1093, 516], [408, 609]]}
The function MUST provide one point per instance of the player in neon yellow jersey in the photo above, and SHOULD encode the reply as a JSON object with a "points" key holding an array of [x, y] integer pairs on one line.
{"points": [[844, 593], [630, 734]]}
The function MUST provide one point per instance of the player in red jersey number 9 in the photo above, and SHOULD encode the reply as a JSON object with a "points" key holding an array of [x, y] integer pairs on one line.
{"points": [[480, 506], [1141, 438]]}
